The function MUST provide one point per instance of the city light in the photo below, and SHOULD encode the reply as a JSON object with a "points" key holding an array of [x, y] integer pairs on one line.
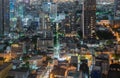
{"points": [[59, 38]]}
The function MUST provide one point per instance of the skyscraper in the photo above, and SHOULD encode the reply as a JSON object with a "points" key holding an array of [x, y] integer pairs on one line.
{"points": [[46, 36], [4, 17], [116, 13], [51, 8], [117, 10], [89, 18]]}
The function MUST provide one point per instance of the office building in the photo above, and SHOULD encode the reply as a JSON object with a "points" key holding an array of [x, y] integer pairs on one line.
{"points": [[89, 18], [4, 17], [50, 8], [117, 10], [46, 36]]}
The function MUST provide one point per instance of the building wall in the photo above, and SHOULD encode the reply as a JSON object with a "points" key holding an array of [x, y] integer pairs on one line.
{"points": [[4, 17], [89, 18], [117, 10], [19, 73], [5, 70], [38, 62], [46, 36], [1, 17], [107, 1]]}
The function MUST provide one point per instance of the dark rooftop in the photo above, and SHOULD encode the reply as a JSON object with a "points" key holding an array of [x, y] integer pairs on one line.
{"points": [[4, 66]]}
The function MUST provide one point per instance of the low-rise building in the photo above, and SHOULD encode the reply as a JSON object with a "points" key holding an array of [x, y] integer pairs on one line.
{"points": [[19, 73], [37, 60], [4, 69]]}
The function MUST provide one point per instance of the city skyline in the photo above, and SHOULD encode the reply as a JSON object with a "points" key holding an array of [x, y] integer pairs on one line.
{"points": [[59, 39]]}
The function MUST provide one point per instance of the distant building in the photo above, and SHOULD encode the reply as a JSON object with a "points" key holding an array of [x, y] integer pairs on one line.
{"points": [[12, 8], [20, 9], [104, 1], [100, 1], [13, 19], [89, 18], [45, 32], [4, 17], [104, 22], [19, 73], [117, 10], [37, 60], [51, 8], [26, 1], [117, 13]]}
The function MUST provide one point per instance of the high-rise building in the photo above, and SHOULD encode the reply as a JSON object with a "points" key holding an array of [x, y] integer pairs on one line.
{"points": [[51, 8], [4, 17], [89, 18], [12, 13], [117, 10], [12, 8], [20, 9], [116, 13], [45, 32]]}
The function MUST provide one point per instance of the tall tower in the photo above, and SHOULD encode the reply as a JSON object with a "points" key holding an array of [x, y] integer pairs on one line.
{"points": [[4, 17], [51, 8], [117, 10], [45, 41], [116, 13], [89, 18]]}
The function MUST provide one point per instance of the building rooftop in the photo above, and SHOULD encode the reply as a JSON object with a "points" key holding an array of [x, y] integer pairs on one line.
{"points": [[20, 70], [4, 66], [35, 57]]}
